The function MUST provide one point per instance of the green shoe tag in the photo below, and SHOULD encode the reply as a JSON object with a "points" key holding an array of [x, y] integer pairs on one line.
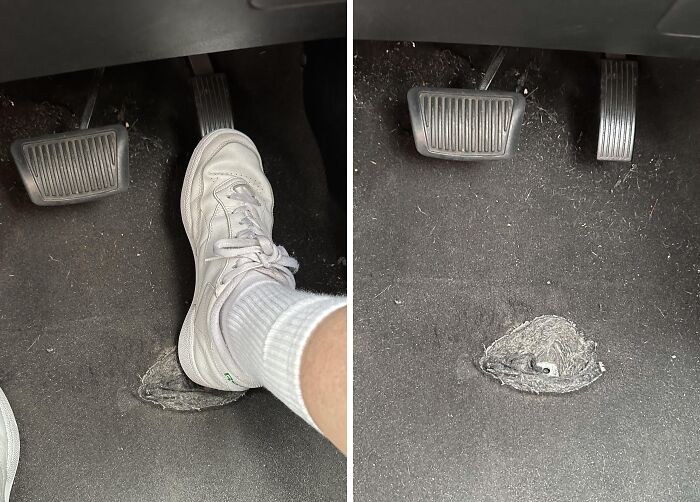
{"points": [[228, 377]]}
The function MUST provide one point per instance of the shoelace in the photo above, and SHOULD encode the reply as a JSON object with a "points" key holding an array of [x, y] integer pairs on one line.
{"points": [[250, 249]]}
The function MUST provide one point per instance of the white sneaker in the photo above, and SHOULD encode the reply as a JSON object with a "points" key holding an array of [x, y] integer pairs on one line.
{"points": [[226, 207], [9, 447]]}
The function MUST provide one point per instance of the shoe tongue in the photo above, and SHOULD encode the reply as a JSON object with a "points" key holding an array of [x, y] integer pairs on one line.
{"points": [[244, 190], [249, 279]]}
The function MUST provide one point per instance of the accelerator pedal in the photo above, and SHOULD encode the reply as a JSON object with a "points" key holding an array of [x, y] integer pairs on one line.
{"points": [[211, 96], [464, 124], [76, 166], [618, 105]]}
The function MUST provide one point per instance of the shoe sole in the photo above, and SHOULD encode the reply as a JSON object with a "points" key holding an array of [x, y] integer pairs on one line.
{"points": [[185, 344], [12, 433]]}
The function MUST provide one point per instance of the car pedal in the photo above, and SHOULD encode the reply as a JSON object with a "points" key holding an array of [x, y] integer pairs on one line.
{"points": [[618, 97], [213, 102], [76, 166], [461, 124]]}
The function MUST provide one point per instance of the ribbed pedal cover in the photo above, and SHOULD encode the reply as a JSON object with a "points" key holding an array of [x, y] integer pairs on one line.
{"points": [[461, 124], [211, 97], [74, 167], [618, 97]]}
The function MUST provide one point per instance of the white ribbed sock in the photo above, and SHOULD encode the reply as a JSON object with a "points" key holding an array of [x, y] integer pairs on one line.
{"points": [[266, 326]]}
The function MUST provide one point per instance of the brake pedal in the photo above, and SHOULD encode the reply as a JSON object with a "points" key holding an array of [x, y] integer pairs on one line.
{"points": [[618, 105], [467, 125], [76, 166], [211, 96]]}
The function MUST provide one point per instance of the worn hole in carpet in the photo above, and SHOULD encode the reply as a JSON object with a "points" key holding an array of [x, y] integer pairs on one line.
{"points": [[547, 354], [167, 385]]}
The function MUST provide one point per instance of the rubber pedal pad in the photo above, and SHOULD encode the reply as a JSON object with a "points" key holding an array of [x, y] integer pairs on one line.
{"points": [[462, 124], [73, 167], [213, 102], [618, 106]]}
